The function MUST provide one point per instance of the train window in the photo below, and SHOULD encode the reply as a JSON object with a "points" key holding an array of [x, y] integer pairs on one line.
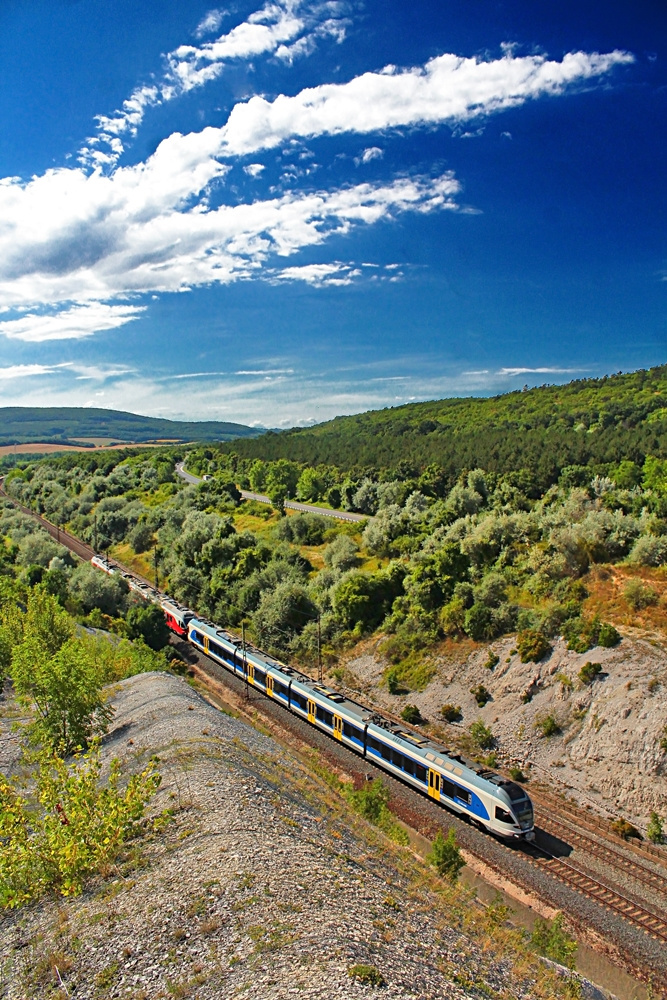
{"points": [[373, 744], [216, 650], [397, 759], [196, 636], [449, 789], [352, 732], [298, 700], [420, 773], [279, 689], [260, 677], [503, 817], [463, 795], [323, 716], [409, 765]]}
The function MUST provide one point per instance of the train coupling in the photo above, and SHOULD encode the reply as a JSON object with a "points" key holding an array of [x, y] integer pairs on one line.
{"points": [[529, 836]]}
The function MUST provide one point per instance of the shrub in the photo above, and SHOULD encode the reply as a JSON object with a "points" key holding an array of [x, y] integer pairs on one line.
{"points": [[639, 595], [626, 830], [372, 802], [532, 645], [68, 826], [445, 855], [516, 774], [552, 940], [582, 633], [451, 713], [479, 623], [393, 681], [608, 636], [589, 672], [663, 740], [654, 829], [412, 715], [492, 661], [547, 725], [480, 694], [366, 974], [649, 551], [481, 735]]}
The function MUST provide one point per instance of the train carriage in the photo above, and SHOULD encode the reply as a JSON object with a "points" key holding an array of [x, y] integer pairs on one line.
{"points": [[462, 785]]}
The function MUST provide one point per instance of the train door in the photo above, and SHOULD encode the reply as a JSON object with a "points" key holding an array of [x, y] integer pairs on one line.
{"points": [[205, 638], [251, 673], [338, 727], [269, 685], [434, 785], [312, 708]]}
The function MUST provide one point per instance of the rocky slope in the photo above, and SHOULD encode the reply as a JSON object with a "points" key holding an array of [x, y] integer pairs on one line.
{"points": [[607, 749], [263, 885]]}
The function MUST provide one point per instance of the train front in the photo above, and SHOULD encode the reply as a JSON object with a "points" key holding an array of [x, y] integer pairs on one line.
{"points": [[519, 813]]}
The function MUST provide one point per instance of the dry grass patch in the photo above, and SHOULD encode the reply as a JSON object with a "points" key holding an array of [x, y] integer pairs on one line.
{"points": [[607, 598]]}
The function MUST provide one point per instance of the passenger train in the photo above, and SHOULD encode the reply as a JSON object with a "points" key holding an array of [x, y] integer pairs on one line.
{"points": [[489, 800]]}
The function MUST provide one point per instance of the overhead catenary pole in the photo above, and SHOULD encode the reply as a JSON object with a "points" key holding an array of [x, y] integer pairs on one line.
{"points": [[95, 532], [245, 662], [157, 586], [319, 649]]}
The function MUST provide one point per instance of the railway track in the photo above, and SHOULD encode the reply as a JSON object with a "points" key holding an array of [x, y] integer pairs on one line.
{"points": [[648, 920], [605, 852], [598, 826]]}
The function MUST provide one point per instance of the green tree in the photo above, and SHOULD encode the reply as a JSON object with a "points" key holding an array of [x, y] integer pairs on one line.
{"points": [[148, 623], [654, 829], [64, 689], [56, 674], [445, 855]]}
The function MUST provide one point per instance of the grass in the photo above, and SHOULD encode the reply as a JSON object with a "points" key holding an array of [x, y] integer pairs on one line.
{"points": [[141, 563], [413, 673], [262, 527], [606, 585]]}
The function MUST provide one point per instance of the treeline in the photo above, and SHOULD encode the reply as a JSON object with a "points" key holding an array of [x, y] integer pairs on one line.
{"points": [[592, 422], [488, 555]]}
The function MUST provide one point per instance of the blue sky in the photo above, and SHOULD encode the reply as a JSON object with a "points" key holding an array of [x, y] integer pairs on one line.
{"points": [[275, 213]]}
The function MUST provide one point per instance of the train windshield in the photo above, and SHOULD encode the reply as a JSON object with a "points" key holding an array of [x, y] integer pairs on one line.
{"points": [[523, 810]]}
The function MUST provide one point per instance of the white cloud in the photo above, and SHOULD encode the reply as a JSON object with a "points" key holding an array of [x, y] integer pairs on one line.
{"points": [[280, 397], [535, 371], [372, 153], [69, 324], [25, 371], [448, 88], [284, 28], [210, 22], [70, 237], [254, 169], [319, 274]]}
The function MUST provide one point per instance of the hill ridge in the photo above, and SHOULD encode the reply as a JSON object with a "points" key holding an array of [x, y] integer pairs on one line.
{"points": [[67, 424]]}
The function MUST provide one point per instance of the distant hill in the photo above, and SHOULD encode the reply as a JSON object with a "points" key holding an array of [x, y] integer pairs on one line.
{"points": [[587, 422], [73, 424]]}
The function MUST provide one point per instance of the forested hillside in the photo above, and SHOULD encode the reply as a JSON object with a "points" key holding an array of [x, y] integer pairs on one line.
{"points": [[62, 424], [591, 422]]}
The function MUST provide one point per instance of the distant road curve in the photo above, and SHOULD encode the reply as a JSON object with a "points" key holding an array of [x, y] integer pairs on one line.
{"points": [[306, 508]]}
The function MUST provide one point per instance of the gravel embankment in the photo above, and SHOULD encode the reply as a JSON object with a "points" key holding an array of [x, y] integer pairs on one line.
{"points": [[259, 887]]}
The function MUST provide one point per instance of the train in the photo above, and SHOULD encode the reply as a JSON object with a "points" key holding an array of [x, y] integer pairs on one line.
{"points": [[489, 800]]}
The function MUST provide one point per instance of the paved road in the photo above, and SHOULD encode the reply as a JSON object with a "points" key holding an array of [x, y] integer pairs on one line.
{"points": [[306, 508]]}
